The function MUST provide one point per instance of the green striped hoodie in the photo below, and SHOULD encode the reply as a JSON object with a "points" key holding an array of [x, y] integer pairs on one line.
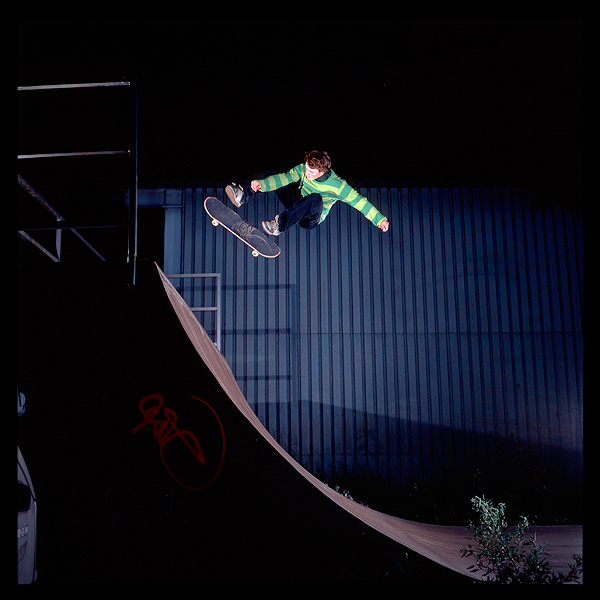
{"points": [[331, 187]]}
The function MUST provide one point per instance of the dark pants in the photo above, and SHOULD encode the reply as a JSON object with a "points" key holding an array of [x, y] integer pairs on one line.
{"points": [[303, 211]]}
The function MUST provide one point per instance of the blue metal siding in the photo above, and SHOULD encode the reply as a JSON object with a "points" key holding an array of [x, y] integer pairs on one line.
{"points": [[411, 353]]}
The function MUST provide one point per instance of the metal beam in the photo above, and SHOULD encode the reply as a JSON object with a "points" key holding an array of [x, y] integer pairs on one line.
{"points": [[28, 238], [39, 198], [65, 226], [63, 86], [88, 245], [133, 188], [25, 236], [62, 154]]}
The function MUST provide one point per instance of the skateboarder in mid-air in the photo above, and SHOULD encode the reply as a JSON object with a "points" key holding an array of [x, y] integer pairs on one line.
{"points": [[308, 191]]}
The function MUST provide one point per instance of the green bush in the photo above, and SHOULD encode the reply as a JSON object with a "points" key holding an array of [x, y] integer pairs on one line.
{"points": [[505, 555]]}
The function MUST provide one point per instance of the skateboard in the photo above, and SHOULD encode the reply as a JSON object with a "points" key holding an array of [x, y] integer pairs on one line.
{"points": [[230, 220]]}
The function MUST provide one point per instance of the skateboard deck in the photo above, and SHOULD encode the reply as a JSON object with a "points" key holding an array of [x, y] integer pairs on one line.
{"points": [[230, 220]]}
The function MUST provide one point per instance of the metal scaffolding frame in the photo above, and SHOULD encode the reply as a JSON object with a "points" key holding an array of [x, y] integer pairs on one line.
{"points": [[58, 229], [132, 153]]}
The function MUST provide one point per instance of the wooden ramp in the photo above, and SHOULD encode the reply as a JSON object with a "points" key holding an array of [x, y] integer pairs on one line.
{"points": [[442, 544]]}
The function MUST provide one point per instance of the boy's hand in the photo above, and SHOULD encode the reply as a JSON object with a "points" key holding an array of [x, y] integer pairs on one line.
{"points": [[384, 226], [255, 185]]}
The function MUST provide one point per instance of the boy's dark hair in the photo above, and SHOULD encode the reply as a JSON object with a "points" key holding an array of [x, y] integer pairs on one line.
{"points": [[317, 159]]}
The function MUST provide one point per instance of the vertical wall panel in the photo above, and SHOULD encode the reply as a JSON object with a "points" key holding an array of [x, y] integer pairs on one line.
{"points": [[448, 343]]}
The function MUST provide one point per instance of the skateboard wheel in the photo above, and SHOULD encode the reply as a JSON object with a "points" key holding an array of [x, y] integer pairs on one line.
{"points": [[215, 222], [254, 253]]}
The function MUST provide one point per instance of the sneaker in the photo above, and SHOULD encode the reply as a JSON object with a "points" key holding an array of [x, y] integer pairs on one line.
{"points": [[235, 193], [272, 227]]}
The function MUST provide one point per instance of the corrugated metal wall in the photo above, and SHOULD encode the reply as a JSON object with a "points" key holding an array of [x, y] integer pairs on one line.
{"points": [[419, 353]]}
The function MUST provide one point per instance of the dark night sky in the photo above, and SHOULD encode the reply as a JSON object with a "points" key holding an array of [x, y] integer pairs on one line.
{"points": [[418, 102]]}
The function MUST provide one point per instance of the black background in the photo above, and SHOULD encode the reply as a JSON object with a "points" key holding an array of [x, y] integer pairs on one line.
{"points": [[418, 102]]}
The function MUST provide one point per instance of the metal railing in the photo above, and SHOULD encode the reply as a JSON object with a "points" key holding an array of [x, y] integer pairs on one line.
{"points": [[216, 308]]}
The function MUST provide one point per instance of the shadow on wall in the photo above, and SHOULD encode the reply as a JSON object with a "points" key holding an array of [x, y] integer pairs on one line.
{"points": [[545, 483]]}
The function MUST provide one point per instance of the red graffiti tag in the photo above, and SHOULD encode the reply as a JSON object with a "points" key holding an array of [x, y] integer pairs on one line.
{"points": [[165, 430]]}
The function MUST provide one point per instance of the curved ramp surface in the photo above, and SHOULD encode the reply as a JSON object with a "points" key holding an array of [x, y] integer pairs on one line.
{"points": [[442, 544]]}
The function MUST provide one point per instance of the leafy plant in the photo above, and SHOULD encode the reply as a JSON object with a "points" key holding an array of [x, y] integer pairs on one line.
{"points": [[505, 555]]}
